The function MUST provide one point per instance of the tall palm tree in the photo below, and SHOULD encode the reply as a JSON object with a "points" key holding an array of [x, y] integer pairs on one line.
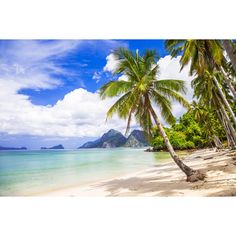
{"points": [[138, 96], [206, 90], [203, 55], [231, 51]]}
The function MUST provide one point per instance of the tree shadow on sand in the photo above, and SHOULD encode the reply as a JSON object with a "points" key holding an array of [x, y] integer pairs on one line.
{"points": [[173, 184], [150, 186]]}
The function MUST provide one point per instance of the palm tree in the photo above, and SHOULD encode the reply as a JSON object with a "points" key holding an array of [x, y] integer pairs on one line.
{"points": [[203, 56], [205, 116], [231, 51], [142, 91], [198, 111], [206, 90]]}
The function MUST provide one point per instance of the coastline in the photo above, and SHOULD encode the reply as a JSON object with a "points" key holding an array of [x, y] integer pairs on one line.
{"points": [[165, 179]]}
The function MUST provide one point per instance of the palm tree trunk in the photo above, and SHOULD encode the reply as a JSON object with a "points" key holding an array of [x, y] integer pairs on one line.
{"points": [[192, 175], [231, 128], [226, 129], [230, 51], [225, 100], [231, 142], [229, 82], [231, 137], [217, 142]]}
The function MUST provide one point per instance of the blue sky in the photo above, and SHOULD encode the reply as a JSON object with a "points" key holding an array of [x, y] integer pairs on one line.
{"points": [[49, 89], [83, 63]]}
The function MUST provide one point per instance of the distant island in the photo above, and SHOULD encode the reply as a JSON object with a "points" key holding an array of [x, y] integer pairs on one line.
{"points": [[12, 148], [114, 138], [54, 147]]}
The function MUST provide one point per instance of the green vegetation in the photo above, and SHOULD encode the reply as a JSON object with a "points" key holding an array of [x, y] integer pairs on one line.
{"points": [[140, 92], [190, 133], [209, 122], [214, 82]]}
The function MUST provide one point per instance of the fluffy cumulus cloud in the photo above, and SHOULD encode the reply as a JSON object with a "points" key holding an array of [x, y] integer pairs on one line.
{"points": [[111, 63], [29, 65], [79, 114]]}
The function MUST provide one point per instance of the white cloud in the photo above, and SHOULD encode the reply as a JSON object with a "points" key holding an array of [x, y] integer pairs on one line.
{"points": [[123, 77], [34, 50], [97, 76], [79, 114], [170, 69], [111, 63], [29, 64]]}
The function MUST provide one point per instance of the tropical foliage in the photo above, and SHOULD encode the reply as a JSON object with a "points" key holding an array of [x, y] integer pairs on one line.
{"points": [[142, 90], [198, 128], [210, 121], [141, 93], [214, 83]]}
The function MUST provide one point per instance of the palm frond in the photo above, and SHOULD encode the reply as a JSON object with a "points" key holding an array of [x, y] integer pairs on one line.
{"points": [[175, 85], [120, 106], [164, 105], [170, 94], [174, 47], [115, 88]]}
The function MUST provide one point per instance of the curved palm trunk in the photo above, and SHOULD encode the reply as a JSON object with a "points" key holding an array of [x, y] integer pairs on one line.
{"points": [[225, 100], [229, 130], [231, 142], [192, 175], [229, 125], [229, 82], [217, 142], [230, 51]]}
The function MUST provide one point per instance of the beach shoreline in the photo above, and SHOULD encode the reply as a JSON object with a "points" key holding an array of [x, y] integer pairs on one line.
{"points": [[165, 179], [92, 183]]}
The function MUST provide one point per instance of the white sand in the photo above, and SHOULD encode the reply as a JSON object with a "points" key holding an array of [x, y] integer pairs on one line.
{"points": [[167, 180]]}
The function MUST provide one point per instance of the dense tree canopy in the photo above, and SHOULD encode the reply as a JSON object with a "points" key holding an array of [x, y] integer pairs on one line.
{"points": [[193, 130]]}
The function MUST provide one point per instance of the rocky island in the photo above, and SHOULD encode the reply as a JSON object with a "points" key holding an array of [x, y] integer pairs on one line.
{"points": [[114, 138], [12, 148], [54, 147]]}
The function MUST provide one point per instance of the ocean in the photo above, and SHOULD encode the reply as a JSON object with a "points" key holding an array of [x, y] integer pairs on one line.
{"points": [[25, 173]]}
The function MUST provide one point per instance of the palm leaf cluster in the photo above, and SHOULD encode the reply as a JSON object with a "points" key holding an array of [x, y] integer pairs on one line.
{"points": [[136, 96], [214, 82], [141, 93]]}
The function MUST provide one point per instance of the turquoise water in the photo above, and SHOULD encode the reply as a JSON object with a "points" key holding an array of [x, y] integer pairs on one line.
{"points": [[31, 172]]}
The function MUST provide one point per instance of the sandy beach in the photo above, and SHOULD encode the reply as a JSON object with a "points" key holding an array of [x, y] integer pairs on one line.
{"points": [[167, 180]]}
